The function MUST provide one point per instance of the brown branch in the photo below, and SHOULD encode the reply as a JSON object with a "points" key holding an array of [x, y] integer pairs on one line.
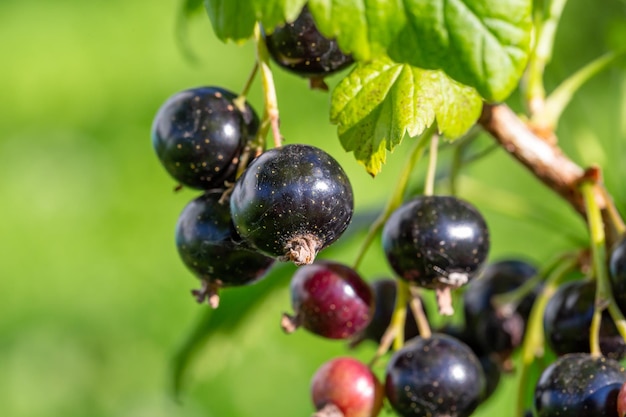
{"points": [[542, 157], [545, 160]]}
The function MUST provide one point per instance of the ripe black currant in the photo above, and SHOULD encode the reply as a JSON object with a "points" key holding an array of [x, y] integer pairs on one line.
{"points": [[330, 300], [345, 387], [199, 134], [385, 295], [210, 248], [498, 331], [579, 385], [435, 377], [291, 202], [300, 48], [490, 364], [567, 319], [437, 242], [617, 271]]}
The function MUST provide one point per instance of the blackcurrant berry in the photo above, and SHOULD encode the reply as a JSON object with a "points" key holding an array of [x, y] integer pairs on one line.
{"points": [[385, 295], [435, 377], [498, 331], [199, 134], [291, 202], [490, 364], [300, 48], [345, 387], [579, 385], [437, 242], [567, 319], [617, 272], [330, 300], [209, 246]]}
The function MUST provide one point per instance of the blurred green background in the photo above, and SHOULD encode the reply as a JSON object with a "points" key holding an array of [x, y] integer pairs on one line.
{"points": [[94, 302]]}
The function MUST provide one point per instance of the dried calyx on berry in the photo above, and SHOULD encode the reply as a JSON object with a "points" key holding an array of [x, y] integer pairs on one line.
{"points": [[436, 242]]}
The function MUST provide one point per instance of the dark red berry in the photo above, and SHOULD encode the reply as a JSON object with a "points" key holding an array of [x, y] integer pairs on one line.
{"points": [[567, 319], [437, 242], [435, 377], [345, 387], [498, 331], [199, 134], [385, 295], [210, 248], [291, 202], [300, 48], [579, 385], [330, 300]]}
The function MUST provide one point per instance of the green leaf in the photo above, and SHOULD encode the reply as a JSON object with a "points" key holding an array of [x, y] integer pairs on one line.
{"points": [[235, 19], [481, 43], [379, 102]]}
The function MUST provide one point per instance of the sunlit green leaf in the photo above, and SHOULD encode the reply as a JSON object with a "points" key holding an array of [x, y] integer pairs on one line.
{"points": [[481, 43], [378, 103], [234, 20]]}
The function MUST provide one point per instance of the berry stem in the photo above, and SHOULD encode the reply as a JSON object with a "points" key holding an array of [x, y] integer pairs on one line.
{"points": [[604, 293], [429, 187], [546, 21], [560, 97], [397, 196], [508, 301], [269, 89], [240, 101], [417, 307], [533, 344], [399, 313], [394, 335]]}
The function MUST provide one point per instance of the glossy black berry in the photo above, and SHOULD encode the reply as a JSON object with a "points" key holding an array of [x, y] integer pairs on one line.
{"points": [[567, 319], [291, 202], [490, 364], [435, 377], [300, 48], [617, 273], [498, 331], [209, 246], [330, 300], [579, 385], [385, 295], [346, 387], [437, 242], [199, 134]]}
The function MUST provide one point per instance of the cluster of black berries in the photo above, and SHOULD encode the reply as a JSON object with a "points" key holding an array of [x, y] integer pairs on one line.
{"points": [[288, 203]]}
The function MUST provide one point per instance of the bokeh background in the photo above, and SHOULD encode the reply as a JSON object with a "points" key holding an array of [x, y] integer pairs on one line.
{"points": [[95, 313]]}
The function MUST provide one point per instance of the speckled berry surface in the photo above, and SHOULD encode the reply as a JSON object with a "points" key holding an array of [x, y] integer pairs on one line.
{"points": [[300, 47], [292, 201], [436, 241], [579, 385], [435, 377], [198, 135], [210, 248], [498, 331], [349, 385], [567, 318], [331, 300]]}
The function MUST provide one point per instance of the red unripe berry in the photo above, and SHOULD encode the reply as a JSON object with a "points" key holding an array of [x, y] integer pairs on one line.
{"points": [[345, 387]]}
